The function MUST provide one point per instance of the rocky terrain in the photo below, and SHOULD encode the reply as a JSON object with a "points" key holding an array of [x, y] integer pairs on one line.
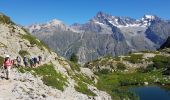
{"points": [[37, 83], [103, 35]]}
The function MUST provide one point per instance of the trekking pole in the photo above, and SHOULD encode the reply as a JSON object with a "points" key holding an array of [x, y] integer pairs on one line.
{"points": [[3, 70]]}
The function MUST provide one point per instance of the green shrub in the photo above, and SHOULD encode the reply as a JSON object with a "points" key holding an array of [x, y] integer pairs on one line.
{"points": [[128, 83], [134, 58], [82, 87], [149, 68], [104, 71], [160, 61], [23, 53], [120, 66], [125, 95], [159, 65], [74, 58], [117, 58], [160, 58], [74, 66]]}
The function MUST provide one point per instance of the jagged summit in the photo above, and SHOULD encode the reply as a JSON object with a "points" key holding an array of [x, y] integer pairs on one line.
{"points": [[152, 17], [121, 21]]}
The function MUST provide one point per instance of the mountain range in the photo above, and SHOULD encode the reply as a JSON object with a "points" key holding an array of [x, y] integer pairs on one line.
{"points": [[103, 35], [56, 78]]}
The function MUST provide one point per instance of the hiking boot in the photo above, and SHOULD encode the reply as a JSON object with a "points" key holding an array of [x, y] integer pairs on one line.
{"points": [[7, 78]]}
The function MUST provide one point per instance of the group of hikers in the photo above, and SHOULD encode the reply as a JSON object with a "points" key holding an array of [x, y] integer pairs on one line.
{"points": [[28, 62], [32, 62]]}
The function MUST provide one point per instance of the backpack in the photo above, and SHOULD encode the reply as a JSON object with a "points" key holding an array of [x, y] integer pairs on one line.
{"points": [[18, 59], [31, 61], [25, 59], [8, 62], [35, 60]]}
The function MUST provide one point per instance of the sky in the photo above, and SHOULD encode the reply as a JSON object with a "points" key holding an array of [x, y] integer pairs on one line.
{"points": [[26, 12]]}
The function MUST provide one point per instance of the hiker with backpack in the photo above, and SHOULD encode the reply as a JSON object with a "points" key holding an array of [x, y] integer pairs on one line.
{"points": [[31, 62], [18, 61], [7, 64], [25, 60], [39, 59], [35, 61]]}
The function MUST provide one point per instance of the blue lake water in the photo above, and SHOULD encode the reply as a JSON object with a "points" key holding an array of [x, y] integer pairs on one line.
{"points": [[152, 93]]}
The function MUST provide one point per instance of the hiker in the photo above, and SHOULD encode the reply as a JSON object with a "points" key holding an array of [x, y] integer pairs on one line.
{"points": [[25, 61], [35, 61], [39, 59], [31, 62], [7, 66], [18, 61], [15, 62]]}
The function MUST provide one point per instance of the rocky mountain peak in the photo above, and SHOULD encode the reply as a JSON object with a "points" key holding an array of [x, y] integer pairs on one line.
{"points": [[102, 14], [55, 22], [151, 17], [120, 21]]}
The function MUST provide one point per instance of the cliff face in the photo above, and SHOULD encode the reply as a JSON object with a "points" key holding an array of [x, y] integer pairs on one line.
{"points": [[52, 80]]}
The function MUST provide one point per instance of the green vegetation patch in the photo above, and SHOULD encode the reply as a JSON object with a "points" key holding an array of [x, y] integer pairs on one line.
{"points": [[74, 66], [117, 58], [81, 83], [121, 66], [23, 53], [74, 58], [82, 78], [5, 19], [160, 61], [50, 76], [117, 83], [83, 88], [134, 58], [103, 71]]}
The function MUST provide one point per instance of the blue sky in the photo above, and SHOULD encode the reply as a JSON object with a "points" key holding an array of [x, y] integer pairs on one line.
{"points": [[26, 12]]}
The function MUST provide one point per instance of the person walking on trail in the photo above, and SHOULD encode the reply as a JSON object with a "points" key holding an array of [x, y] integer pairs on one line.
{"points": [[39, 59], [31, 62], [7, 66], [18, 61], [35, 61], [25, 60]]}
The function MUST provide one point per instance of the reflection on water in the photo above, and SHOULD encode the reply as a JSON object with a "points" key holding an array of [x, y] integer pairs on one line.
{"points": [[152, 93]]}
